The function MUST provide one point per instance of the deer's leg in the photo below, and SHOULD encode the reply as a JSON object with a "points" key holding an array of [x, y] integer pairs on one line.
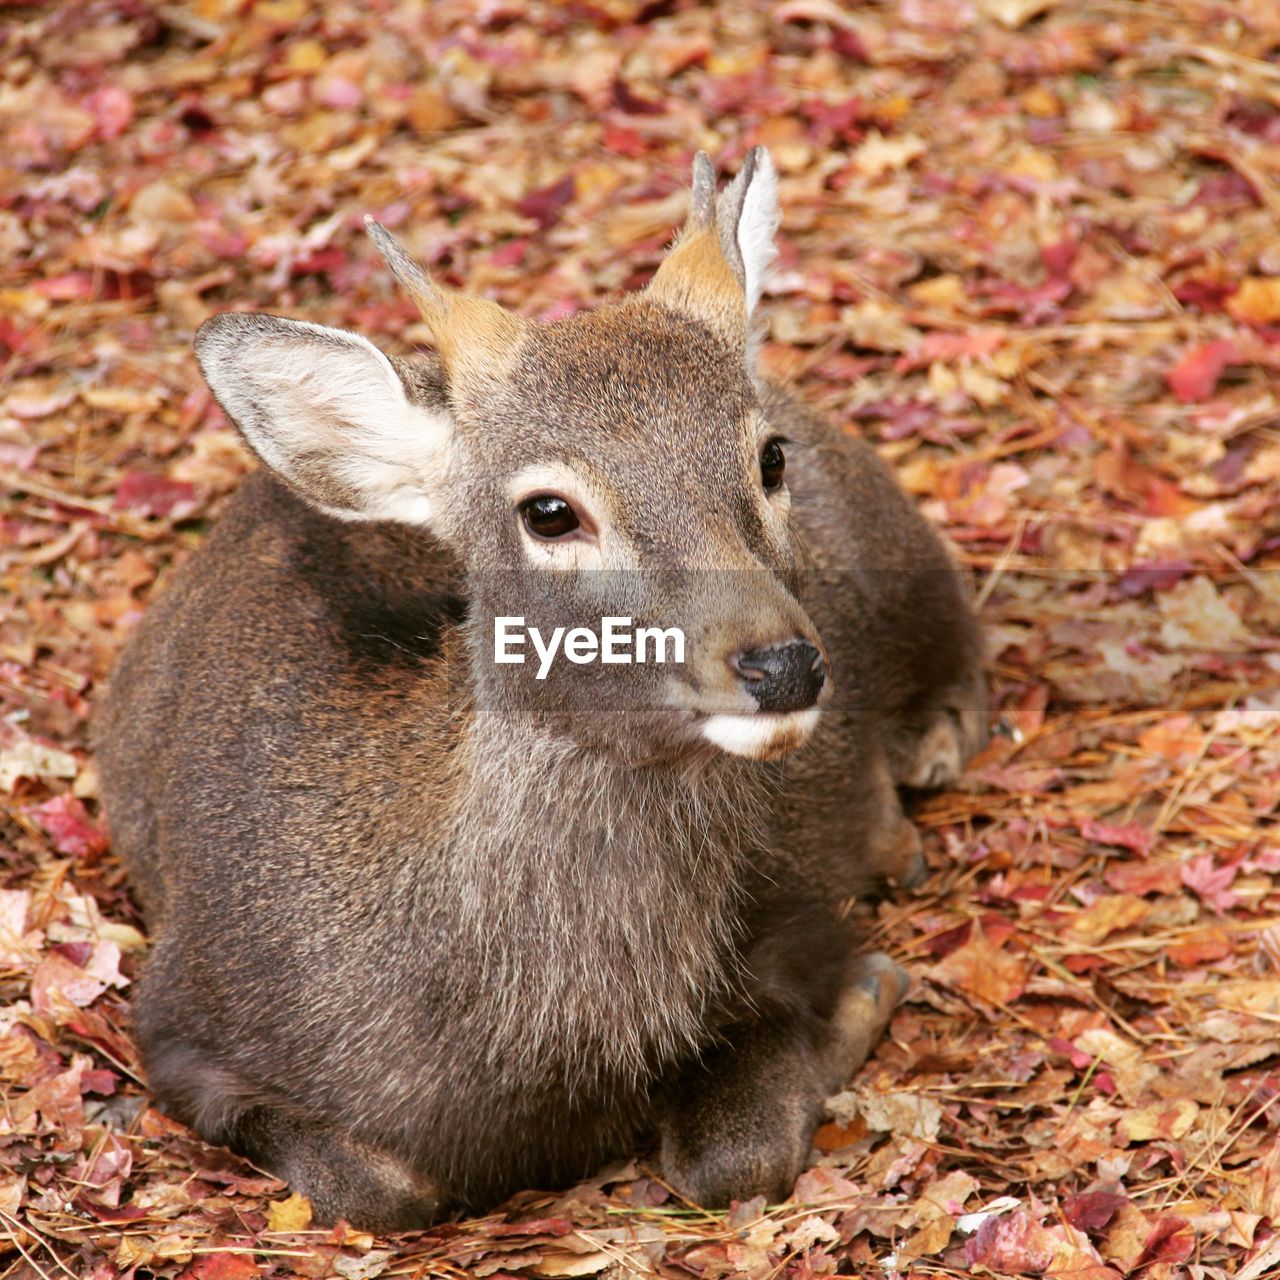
{"points": [[342, 1176], [893, 843], [739, 1124]]}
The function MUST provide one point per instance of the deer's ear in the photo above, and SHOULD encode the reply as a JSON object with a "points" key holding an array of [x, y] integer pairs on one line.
{"points": [[715, 270], [475, 338], [747, 217], [327, 411]]}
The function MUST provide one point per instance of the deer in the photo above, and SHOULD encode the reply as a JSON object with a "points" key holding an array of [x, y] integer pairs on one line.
{"points": [[427, 929]]}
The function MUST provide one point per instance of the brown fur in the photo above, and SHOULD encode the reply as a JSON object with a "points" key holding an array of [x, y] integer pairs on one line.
{"points": [[695, 279], [426, 931]]}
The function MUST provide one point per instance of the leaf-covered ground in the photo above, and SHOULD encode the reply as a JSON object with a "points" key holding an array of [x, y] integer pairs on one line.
{"points": [[1031, 249]]}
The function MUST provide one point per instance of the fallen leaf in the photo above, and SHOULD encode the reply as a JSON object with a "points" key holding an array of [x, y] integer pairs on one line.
{"points": [[290, 1214], [1091, 1211], [553, 1263], [879, 155], [67, 823], [1201, 947], [30, 759], [1197, 617], [1014, 1243], [1130, 836], [983, 970], [223, 1265], [908, 1114], [1256, 301], [1210, 882], [1195, 376], [1108, 915], [1164, 1120]]}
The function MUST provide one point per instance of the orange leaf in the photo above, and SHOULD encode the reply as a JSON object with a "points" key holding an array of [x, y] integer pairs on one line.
{"points": [[1257, 301], [1200, 948], [1106, 916], [982, 970], [835, 1137]]}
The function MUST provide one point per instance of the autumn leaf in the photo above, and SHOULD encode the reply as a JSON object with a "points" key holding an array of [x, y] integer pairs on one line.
{"points": [[1195, 376], [290, 1214], [1257, 300], [1210, 882], [1106, 916], [980, 969], [1168, 1120], [154, 495], [1014, 1243], [68, 824], [1091, 1211], [1130, 836], [222, 1266], [1201, 947]]}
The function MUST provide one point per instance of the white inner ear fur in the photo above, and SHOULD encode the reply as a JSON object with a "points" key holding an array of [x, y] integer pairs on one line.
{"points": [[758, 227], [327, 410]]}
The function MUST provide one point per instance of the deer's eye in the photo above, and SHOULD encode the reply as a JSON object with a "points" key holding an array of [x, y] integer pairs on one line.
{"points": [[773, 463], [548, 516]]}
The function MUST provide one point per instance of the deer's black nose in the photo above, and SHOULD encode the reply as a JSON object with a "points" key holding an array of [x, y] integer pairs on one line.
{"points": [[788, 677]]}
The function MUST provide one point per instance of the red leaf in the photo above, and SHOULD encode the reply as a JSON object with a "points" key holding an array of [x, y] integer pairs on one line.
{"points": [[1158, 575], [111, 1214], [545, 204], [68, 825], [1015, 1243], [1195, 376], [949, 346], [1170, 1241], [848, 44], [1059, 256], [319, 261], [1131, 836], [112, 108], [1092, 1210], [625, 142], [1144, 877], [99, 1081], [510, 254], [1078, 1058], [69, 287], [534, 1227], [153, 495], [1210, 882], [222, 1266], [1205, 294]]}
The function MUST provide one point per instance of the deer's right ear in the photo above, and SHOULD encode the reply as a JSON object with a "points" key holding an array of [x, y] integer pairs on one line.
{"points": [[715, 270], [328, 412]]}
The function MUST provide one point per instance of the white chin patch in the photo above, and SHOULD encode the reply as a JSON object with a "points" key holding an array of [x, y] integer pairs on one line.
{"points": [[762, 736]]}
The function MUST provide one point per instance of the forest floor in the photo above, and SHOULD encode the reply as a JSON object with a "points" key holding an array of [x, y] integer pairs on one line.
{"points": [[1031, 250]]}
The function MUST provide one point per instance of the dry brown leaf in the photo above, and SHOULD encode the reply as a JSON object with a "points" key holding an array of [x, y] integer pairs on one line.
{"points": [[980, 969]]}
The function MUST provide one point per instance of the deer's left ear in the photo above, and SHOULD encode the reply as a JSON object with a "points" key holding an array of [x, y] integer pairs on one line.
{"points": [[747, 217], [715, 271]]}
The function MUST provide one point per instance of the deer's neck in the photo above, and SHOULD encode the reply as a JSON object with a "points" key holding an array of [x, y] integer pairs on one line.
{"points": [[598, 899]]}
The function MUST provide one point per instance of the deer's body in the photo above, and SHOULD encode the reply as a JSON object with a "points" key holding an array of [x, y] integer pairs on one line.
{"points": [[421, 939]]}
